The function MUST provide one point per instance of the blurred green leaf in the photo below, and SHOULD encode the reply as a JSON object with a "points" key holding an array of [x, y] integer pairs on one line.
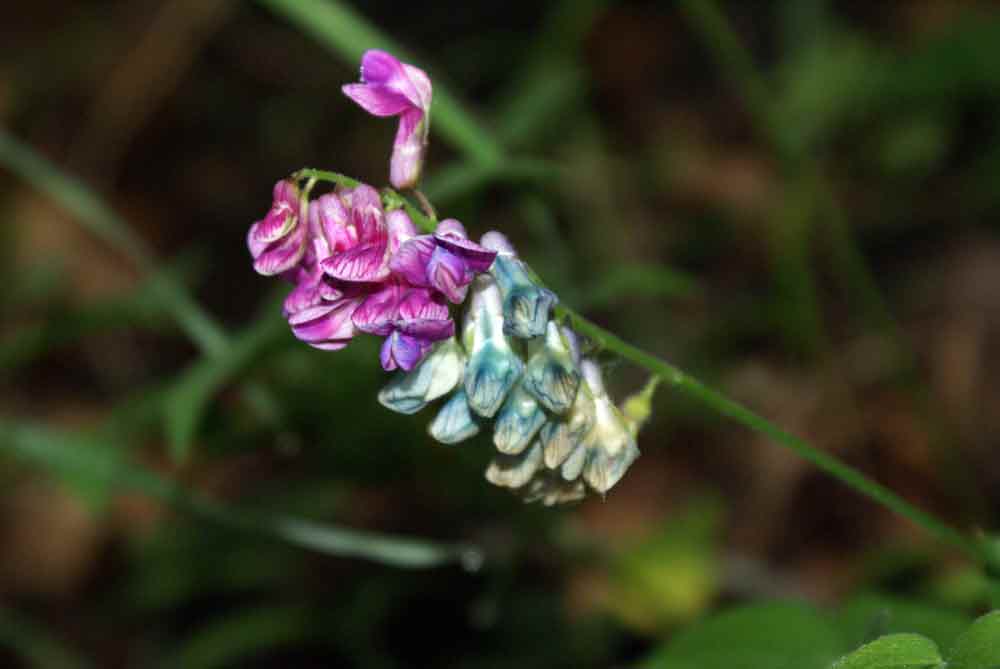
{"points": [[35, 644], [896, 651], [91, 461], [237, 637], [188, 399], [673, 576], [761, 636], [869, 616], [979, 646]]}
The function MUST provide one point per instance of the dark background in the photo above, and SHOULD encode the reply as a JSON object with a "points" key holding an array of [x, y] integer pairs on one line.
{"points": [[824, 248]]}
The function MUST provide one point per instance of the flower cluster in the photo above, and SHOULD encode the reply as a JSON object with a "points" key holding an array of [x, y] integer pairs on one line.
{"points": [[555, 429], [357, 268], [359, 265]]}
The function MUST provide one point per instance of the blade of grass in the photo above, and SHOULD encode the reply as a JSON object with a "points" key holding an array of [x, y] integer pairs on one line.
{"points": [[84, 457]]}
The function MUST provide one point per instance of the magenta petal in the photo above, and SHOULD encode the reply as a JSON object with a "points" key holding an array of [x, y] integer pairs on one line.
{"points": [[477, 258], [326, 325], [399, 228], [407, 160], [383, 70], [449, 274], [410, 260], [428, 330], [378, 311], [282, 255], [450, 228], [376, 100], [328, 219], [366, 213], [364, 263], [420, 303]]}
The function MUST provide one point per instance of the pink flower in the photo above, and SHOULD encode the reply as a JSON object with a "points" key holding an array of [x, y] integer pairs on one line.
{"points": [[278, 241], [391, 88]]}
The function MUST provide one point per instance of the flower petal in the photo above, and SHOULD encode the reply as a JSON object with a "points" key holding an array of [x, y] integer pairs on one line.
{"points": [[399, 228], [477, 258], [449, 274], [517, 422], [281, 255], [408, 150], [377, 100], [403, 351], [410, 260], [328, 221], [377, 313], [454, 422], [513, 471], [327, 325], [363, 263]]}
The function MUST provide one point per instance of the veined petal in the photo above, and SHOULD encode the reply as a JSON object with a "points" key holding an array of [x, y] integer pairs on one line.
{"points": [[328, 220], [449, 274], [364, 263], [366, 213], [422, 83], [377, 100], [326, 326], [399, 228], [281, 255], [408, 150], [383, 70], [450, 234], [560, 437], [526, 305], [491, 373], [403, 351], [410, 260], [282, 215], [551, 375], [377, 313], [454, 422], [517, 422], [550, 490], [436, 376], [420, 304], [513, 471]]}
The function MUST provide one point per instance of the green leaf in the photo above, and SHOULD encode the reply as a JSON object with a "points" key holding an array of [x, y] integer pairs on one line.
{"points": [[870, 616], [764, 636], [225, 642], [979, 646], [896, 651]]}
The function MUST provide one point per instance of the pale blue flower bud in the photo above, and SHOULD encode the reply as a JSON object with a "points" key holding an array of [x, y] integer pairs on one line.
{"points": [[526, 305], [513, 471], [454, 422], [493, 367], [610, 443], [549, 489], [435, 376], [517, 422], [551, 375], [560, 436]]}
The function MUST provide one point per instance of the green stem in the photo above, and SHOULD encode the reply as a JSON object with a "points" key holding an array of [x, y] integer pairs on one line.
{"points": [[723, 405]]}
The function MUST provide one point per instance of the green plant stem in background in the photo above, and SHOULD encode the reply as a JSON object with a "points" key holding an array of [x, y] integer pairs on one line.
{"points": [[727, 407]]}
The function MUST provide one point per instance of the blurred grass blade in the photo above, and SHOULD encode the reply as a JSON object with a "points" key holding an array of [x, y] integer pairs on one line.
{"points": [[189, 397], [348, 34], [87, 458], [630, 281], [76, 198], [456, 181], [226, 642], [32, 642]]}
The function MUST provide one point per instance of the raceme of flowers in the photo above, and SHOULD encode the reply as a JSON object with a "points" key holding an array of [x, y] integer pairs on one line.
{"points": [[358, 264]]}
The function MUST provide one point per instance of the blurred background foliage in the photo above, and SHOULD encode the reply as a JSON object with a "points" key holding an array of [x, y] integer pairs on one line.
{"points": [[815, 231]]}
